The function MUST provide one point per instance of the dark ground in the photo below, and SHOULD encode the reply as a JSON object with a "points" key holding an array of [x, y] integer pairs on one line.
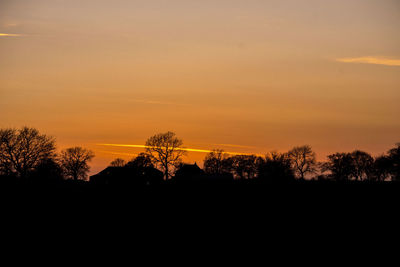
{"points": [[284, 222], [250, 194]]}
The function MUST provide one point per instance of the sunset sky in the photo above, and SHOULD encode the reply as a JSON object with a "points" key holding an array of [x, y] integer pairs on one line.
{"points": [[247, 76]]}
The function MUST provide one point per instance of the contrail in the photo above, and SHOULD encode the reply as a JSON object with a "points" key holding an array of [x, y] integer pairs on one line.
{"points": [[183, 149], [10, 34]]}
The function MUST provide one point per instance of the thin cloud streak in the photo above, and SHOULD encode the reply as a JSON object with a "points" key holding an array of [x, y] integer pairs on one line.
{"points": [[371, 60], [10, 35], [183, 149]]}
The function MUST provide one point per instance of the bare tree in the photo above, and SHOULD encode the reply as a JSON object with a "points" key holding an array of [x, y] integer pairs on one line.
{"points": [[362, 165], [22, 150], [303, 160], [166, 151], [244, 166], [214, 162], [74, 162], [118, 163]]}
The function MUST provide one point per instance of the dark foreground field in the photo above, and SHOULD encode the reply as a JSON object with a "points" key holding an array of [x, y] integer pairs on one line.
{"points": [[251, 193], [241, 215]]}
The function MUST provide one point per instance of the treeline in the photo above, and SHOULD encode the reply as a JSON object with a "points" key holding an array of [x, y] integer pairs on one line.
{"points": [[27, 155], [300, 163]]}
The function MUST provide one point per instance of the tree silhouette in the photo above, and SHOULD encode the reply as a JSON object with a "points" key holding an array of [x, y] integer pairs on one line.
{"points": [[275, 167], [74, 162], [357, 165], [394, 156], [165, 150], [362, 165], [214, 162], [381, 168], [340, 165], [143, 160], [118, 163], [47, 171], [303, 160], [22, 150], [244, 166]]}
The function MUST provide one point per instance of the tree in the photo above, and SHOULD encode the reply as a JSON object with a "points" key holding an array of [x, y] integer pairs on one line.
{"points": [[214, 162], [118, 163], [166, 151], [303, 160], [362, 165], [142, 161], [74, 162], [394, 156], [275, 167], [381, 168], [47, 171], [340, 165], [141, 169], [244, 166], [357, 165], [22, 150]]}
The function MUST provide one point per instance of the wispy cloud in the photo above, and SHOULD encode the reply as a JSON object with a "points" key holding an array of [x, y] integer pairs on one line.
{"points": [[183, 149], [371, 60], [10, 35]]}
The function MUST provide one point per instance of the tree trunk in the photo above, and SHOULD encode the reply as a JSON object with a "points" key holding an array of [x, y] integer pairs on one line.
{"points": [[166, 172]]}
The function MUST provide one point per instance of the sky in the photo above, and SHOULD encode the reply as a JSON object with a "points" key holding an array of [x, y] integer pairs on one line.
{"points": [[246, 76]]}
